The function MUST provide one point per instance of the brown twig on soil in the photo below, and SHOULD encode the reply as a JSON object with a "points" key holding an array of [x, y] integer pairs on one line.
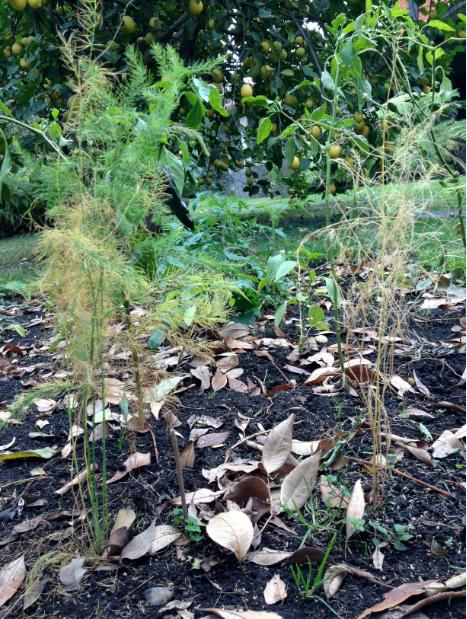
{"points": [[181, 485], [243, 440], [407, 476]]}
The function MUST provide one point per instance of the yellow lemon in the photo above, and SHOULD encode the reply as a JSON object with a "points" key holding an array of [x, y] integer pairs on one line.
{"points": [[18, 5], [335, 151], [316, 131], [195, 7], [128, 24], [246, 91], [295, 165]]}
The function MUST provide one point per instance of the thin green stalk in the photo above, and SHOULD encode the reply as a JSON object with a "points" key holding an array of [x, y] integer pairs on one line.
{"points": [[328, 145], [38, 132]]}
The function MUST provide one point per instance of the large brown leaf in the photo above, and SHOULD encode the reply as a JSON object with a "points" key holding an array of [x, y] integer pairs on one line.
{"points": [[277, 446], [248, 487], [396, 596]]}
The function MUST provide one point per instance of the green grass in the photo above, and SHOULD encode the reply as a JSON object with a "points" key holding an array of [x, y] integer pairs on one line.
{"points": [[440, 246], [17, 259]]}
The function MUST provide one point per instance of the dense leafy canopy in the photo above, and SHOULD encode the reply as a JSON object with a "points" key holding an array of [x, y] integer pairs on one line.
{"points": [[278, 66]]}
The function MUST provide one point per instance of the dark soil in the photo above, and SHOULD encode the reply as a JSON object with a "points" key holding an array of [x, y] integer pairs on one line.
{"points": [[114, 589]]}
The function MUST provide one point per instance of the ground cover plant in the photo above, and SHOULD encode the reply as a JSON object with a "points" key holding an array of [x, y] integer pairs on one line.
{"points": [[254, 409]]}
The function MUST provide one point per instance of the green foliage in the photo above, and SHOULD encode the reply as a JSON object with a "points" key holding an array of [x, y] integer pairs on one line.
{"points": [[190, 525], [282, 50]]}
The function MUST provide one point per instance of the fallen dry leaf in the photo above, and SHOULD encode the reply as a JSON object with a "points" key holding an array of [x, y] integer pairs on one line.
{"points": [[275, 590], [335, 575], [140, 544], [203, 374], [304, 555], [164, 535], [396, 596], [355, 509], [278, 445], [71, 574], [267, 557], [242, 614], [213, 439], [246, 488], [446, 445], [33, 592], [133, 462], [73, 482], [298, 484], [11, 579], [232, 530], [187, 456], [219, 381], [202, 495]]}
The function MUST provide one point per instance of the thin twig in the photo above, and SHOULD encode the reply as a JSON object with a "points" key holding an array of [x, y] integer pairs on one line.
{"points": [[181, 485], [406, 475]]}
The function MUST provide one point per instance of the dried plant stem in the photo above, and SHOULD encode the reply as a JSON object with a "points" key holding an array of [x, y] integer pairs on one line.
{"points": [[445, 493], [181, 484]]}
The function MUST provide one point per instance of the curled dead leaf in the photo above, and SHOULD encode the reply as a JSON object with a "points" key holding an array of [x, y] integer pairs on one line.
{"points": [[275, 590], [135, 461]]}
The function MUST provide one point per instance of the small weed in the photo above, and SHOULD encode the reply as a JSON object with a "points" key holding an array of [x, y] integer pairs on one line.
{"points": [[190, 525], [395, 537]]}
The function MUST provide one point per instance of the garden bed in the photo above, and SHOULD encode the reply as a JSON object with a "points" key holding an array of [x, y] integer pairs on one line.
{"points": [[427, 544]]}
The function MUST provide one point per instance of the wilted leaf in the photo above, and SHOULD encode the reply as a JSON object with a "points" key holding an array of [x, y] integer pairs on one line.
{"points": [[214, 439], [378, 556], [402, 386], [396, 596], [133, 462], [246, 488], [227, 362], [277, 446], [415, 412], [45, 405], [187, 456], [320, 374], [232, 530], [71, 574], [219, 381], [45, 454], [267, 557], [203, 374], [140, 544], [202, 495], [421, 386], [355, 508], [418, 452], [275, 590], [33, 592], [335, 574], [299, 483], [164, 535], [304, 555], [162, 389], [73, 482], [243, 614], [158, 596], [444, 446], [11, 579]]}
